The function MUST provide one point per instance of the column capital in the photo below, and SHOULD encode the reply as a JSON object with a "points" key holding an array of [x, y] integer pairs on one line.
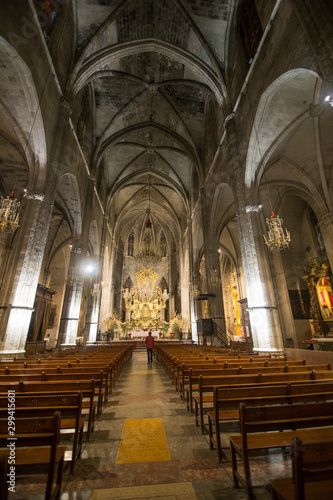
{"points": [[77, 250], [326, 218], [31, 195]]}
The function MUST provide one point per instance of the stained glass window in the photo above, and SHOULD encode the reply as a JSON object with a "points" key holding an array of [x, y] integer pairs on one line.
{"points": [[130, 249], [163, 245]]}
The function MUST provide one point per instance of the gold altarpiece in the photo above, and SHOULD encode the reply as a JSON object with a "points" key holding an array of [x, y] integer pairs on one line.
{"points": [[146, 300], [318, 278], [235, 304]]}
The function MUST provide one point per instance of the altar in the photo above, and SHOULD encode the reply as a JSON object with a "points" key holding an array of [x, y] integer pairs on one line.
{"points": [[143, 333]]}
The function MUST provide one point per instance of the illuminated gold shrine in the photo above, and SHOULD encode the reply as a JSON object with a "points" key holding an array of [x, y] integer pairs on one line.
{"points": [[234, 294], [319, 278], [146, 301]]}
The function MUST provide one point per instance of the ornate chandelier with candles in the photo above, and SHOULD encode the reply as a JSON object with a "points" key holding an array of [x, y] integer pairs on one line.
{"points": [[277, 238], [9, 213], [147, 257]]}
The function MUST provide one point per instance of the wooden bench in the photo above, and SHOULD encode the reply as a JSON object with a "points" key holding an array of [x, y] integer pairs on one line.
{"points": [[227, 401], [267, 427], [312, 473], [51, 367], [204, 401], [215, 377], [168, 359], [87, 388], [46, 370], [176, 362], [115, 361], [99, 378], [69, 405], [36, 442], [244, 366], [191, 375]]}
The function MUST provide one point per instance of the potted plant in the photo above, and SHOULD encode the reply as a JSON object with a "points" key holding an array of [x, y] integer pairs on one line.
{"points": [[165, 328]]}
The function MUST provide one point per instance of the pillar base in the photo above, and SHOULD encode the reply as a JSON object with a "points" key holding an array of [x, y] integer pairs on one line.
{"points": [[262, 350], [67, 346], [8, 354]]}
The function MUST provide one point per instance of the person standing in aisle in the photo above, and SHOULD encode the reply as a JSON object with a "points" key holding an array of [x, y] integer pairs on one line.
{"points": [[150, 341]]}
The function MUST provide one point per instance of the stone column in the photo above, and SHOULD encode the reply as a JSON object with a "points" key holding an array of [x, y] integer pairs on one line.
{"points": [[73, 294], [117, 278], [72, 301], [184, 286], [91, 326], [282, 296], [94, 301], [263, 311], [212, 263], [171, 300], [105, 310], [194, 329], [18, 294], [262, 307], [112, 269], [19, 289]]}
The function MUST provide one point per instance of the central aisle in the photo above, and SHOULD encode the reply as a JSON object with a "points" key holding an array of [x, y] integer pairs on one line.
{"points": [[144, 391]]}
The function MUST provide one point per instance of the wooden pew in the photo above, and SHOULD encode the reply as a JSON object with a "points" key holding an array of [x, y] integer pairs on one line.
{"points": [[87, 388], [36, 443], [169, 356], [259, 426], [245, 366], [47, 370], [99, 378], [116, 359], [175, 362], [69, 406], [191, 374], [205, 400], [227, 401], [312, 473], [63, 367]]}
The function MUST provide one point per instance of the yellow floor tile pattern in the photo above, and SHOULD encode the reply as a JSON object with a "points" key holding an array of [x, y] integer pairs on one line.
{"points": [[176, 491], [143, 440]]}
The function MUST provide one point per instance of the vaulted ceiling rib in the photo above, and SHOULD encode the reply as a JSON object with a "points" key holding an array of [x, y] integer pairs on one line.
{"points": [[152, 66]]}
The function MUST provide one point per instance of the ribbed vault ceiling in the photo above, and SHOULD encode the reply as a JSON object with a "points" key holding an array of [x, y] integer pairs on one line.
{"points": [[152, 66]]}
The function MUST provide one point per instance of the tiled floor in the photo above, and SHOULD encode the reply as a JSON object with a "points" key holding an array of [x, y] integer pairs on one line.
{"points": [[144, 391]]}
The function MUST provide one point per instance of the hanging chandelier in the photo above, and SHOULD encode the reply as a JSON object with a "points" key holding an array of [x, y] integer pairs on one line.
{"points": [[9, 213], [277, 237], [148, 257]]}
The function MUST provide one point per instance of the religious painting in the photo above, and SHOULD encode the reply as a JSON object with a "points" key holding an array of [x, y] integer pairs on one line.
{"points": [[52, 317], [325, 299], [146, 289], [300, 303]]}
